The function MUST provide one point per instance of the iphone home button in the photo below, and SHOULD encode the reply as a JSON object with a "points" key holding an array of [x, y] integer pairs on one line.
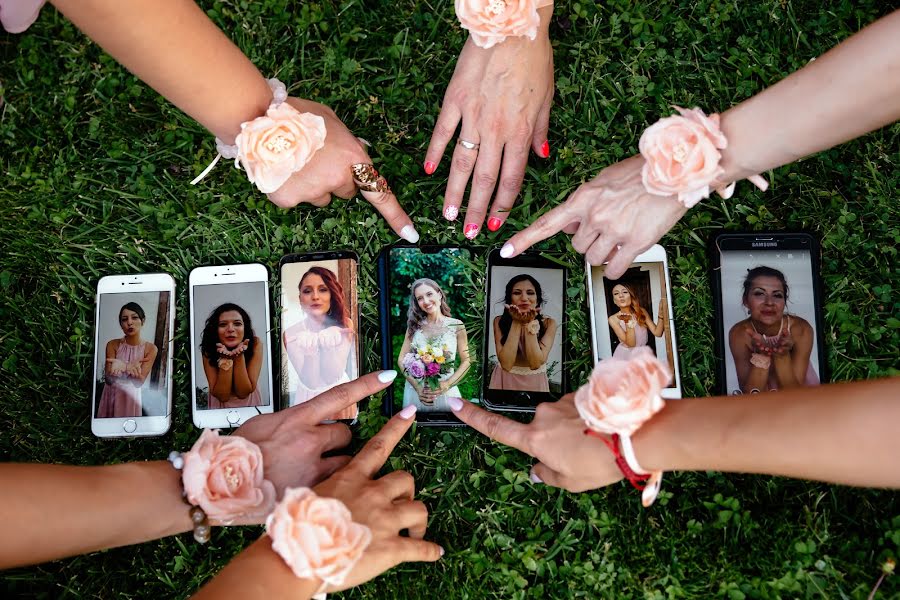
{"points": [[233, 417], [129, 426]]}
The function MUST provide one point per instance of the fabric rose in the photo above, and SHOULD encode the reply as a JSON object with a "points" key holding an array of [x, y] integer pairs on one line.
{"points": [[316, 536], [224, 476], [623, 393], [490, 22], [533, 327], [274, 147]]}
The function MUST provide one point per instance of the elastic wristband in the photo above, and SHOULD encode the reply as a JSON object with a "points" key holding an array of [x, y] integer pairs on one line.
{"points": [[202, 529]]}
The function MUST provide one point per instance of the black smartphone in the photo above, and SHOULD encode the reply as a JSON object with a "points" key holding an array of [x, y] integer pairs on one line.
{"points": [[524, 337], [768, 311], [319, 316], [432, 310]]}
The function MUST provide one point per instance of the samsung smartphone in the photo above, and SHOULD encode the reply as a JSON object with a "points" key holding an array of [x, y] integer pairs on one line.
{"points": [[319, 326], [134, 325], [768, 310], [231, 373], [432, 314], [524, 332], [635, 310]]}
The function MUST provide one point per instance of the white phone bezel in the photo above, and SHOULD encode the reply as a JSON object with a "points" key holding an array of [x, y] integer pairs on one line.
{"points": [[655, 254], [217, 418], [124, 284]]}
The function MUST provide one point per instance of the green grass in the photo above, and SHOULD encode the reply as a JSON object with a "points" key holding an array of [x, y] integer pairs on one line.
{"points": [[95, 171]]}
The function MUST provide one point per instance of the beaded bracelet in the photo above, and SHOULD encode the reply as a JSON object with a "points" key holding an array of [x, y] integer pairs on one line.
{"points": [[202, 529]]}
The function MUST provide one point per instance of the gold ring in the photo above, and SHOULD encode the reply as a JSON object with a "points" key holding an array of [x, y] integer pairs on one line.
{"points": [[467, 145], [367, 178]]}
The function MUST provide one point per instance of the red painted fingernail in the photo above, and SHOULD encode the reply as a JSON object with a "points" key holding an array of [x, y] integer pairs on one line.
{"points": [[494, 224], [471, 231], [545, 149], [429, 167]]}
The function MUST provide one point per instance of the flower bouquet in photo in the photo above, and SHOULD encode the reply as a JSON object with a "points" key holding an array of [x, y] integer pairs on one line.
{"points": [[427, 365]]}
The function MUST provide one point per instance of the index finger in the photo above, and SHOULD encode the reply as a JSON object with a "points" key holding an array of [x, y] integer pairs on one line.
{"points": [[377, 450], [546, 225], [386, 203], [329, 403], [495, 426]]}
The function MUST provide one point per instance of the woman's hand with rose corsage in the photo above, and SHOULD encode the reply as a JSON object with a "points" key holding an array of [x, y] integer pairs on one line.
{"points": [[328, 173]]}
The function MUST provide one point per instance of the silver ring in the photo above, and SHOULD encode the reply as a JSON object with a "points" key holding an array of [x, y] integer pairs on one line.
{"points": [[467, 145]]}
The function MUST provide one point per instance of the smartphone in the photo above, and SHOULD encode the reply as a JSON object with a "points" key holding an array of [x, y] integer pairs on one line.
{"points": [[134, 325], [766, 290], [319, 326], [635, 310], [432, 314], [524, 332], [230, 345]]}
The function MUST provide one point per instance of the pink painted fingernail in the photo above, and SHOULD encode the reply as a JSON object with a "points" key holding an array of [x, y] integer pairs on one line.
{"points": [[507, 250], [494, 224], [407, 412], [455, 404], [451, 212], [430, 167], [534, 478], [545, 149], [471, 231]]}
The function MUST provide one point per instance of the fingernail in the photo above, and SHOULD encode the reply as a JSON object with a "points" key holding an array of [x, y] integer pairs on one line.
{"points": [[409, 234], [507, 250], [471, 231], [451, 212], [387, 376], [442, 550], [494, 224], [407, 412], [545, 149], [455, 404], [429, 167], [534, 478]]}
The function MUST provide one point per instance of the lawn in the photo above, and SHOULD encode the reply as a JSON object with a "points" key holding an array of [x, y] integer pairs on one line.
{"points": [[95, 170]]}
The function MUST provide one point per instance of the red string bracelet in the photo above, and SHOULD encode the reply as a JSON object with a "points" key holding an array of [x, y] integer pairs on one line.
{"points": [[639, 482]]}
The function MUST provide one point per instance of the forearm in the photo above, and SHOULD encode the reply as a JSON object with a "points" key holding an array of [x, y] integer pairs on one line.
{"points": [[174, 48], [533, 353], [840, 433], [243, 386], [56, 511], [458, 374], [507, 354], [257, 572], [756, 379], [222, 388], [847, 92], [784, 371]]}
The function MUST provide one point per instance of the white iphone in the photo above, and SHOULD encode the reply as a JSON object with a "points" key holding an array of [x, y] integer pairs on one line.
{"points": [[134, 325], [635, 310], [231, 355]]}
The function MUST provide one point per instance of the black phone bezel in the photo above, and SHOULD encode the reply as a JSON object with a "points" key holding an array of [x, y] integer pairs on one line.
{"points": [[518, 401], [427, 419], [742, 241], [298, 257]]}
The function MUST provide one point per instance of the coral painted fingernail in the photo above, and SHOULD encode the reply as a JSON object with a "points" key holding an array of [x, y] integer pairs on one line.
{"points": [[494, 224], [451, 212], [545, 149], [429, 167], [471, 231]]}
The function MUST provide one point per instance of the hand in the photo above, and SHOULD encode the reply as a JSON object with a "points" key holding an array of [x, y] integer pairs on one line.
{"points": [[567, 457], [503, 97], [760, 344], [612, 217], [293, 441], [133, 369], [328, 173], [427, 395], [116, 367], [521, 316], [384, 505], [784, 344]]}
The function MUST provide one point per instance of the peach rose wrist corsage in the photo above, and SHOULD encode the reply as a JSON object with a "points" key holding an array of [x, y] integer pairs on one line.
{"points": [[223, 480], [682, 157], [620, 396], [273, 147], [316, 536], [490, 22]]}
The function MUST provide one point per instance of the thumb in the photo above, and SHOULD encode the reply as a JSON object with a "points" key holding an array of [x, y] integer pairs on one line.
{"points": [[541, 473]]}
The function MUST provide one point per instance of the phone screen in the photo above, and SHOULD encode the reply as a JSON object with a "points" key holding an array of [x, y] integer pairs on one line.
{"points": [[526, 307], [768, 303], [133, 355], [435, 312], [633, 312], [230, 329], [319, 337]]}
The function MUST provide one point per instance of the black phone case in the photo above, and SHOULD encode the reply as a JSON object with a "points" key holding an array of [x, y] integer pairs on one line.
{"points": [[526, 402], [782, 241]]}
